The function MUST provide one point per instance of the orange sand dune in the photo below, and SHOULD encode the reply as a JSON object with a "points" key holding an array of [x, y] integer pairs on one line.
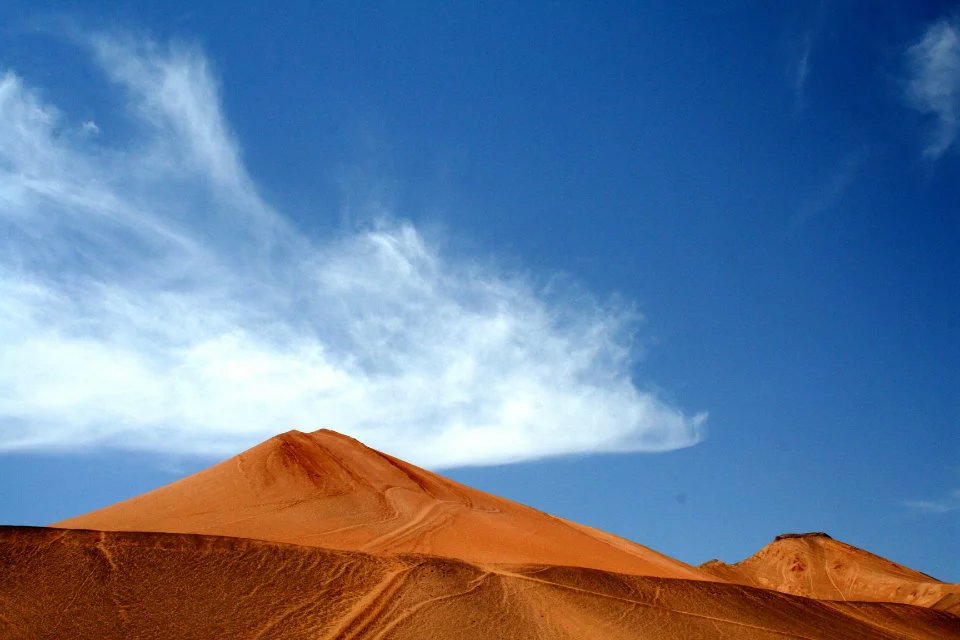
{"points": [[324, 489], [84, 584], [817, 566]]}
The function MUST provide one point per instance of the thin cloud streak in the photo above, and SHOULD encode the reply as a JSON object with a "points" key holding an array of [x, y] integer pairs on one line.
{"points": [[801, 62], [802, 71], [947, 504], [151, 299], [933, 87], [831, 193]]}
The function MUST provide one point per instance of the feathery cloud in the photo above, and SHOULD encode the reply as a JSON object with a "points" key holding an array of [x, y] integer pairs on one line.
{"points": [[152, 299], [801, 70], [831, 193], [946, 504], [933, 87]]}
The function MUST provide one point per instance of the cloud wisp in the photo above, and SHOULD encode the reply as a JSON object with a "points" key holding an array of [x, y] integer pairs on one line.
{"points": [[947, 504], [801, 69], [831, 193], [933, 87], [151, 299]]}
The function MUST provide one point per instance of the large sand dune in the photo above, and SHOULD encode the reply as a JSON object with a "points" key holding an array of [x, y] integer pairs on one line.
{"points": [[817, 566], [86, 584], [327, 490], [318, 536]]}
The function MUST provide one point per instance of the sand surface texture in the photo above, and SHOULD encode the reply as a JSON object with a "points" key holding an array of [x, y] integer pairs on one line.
{"points": [[85, 584], [817, 566], [327, 490]]}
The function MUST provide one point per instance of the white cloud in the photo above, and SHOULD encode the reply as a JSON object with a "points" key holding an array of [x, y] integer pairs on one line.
{"points": [[149, 298], [934, 84], [946, 504]]}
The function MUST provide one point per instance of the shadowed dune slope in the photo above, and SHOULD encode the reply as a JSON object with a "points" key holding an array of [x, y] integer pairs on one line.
{"points": [[60, 583], [817, 566], [328, 490]]}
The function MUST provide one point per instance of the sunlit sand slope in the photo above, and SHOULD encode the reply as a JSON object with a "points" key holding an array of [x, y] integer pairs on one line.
{"points": [[85, 584], [817, 566], [328, 490]]}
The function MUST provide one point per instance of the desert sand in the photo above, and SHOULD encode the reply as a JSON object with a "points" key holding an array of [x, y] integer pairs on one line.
{"points": [[318, 536], [86, 584], [328, 490], [817, 566]]}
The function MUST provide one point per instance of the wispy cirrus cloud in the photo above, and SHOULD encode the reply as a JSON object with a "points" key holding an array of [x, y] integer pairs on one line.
{"points": [[946, 504], [933, 87], [831, 192], [803, 49], [152, 299], [801, 67]]}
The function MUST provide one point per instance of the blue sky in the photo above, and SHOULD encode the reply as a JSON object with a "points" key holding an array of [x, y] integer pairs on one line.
{"points": [[686, 274]]}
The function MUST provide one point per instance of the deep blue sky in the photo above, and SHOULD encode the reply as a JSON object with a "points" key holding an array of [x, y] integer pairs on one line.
{"points": [[793, 246]]}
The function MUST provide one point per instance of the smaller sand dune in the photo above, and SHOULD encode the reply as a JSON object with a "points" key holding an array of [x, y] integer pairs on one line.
{"points": [[817, 566]]}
